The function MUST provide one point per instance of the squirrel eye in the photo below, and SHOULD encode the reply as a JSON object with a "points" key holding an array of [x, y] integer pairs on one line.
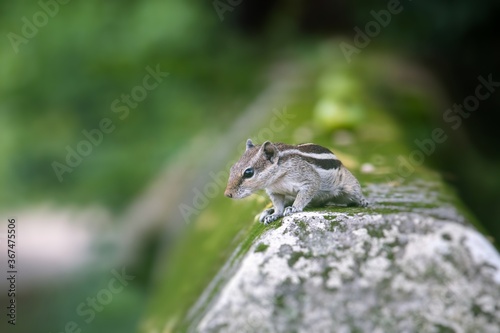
{"points": [[248, 173]]}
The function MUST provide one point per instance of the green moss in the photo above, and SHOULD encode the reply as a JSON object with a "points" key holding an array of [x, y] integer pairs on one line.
{"points": [[444, 329], [276, 224], [254, 232], [390, 256], [295, 256], [332, 226], [329, 217], [279, 301], [446, 236], [302, 225], [478, 311], [325, 275], [376, 232], [261, 247]]}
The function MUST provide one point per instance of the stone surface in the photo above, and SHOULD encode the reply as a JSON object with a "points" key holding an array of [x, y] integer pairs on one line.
{"points": [[410, 269], [413, 262]]}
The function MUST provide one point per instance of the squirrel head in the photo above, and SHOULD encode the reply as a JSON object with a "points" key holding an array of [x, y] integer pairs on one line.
{"points": [[253, 171]]}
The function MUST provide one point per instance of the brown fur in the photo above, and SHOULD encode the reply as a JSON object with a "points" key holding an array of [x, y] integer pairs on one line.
{"points": [[305, 175]]}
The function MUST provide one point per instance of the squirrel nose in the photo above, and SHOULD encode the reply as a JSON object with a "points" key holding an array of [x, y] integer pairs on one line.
{"points": [[228, 194]]}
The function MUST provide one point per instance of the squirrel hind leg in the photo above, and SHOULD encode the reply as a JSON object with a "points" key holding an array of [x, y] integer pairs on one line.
{"points": [[356, 200]]}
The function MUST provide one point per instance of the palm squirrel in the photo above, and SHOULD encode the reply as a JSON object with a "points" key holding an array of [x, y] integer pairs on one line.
{"points": [[306, 174]]}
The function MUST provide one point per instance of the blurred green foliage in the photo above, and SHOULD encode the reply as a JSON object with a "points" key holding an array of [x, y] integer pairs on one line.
{"points": [[64, 80]]}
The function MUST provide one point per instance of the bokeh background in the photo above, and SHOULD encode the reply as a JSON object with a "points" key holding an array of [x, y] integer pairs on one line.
{"points": [[61, 76]]}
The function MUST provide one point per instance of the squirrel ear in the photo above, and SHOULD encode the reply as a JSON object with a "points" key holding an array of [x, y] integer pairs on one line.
{"points": [[250, 144], [270, 151]]}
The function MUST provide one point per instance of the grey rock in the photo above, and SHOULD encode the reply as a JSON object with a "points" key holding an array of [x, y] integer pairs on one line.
{"points": [[406, 271]]}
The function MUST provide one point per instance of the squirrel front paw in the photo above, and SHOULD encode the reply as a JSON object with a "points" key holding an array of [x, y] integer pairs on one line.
{"points": [[291, 210], [269, 216]]}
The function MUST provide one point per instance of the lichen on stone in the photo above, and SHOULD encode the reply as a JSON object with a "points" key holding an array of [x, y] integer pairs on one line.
{"points": [[378, 273]]}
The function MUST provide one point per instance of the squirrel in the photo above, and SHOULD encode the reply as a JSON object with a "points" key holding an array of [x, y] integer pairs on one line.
{"points": [[305, 175]]}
